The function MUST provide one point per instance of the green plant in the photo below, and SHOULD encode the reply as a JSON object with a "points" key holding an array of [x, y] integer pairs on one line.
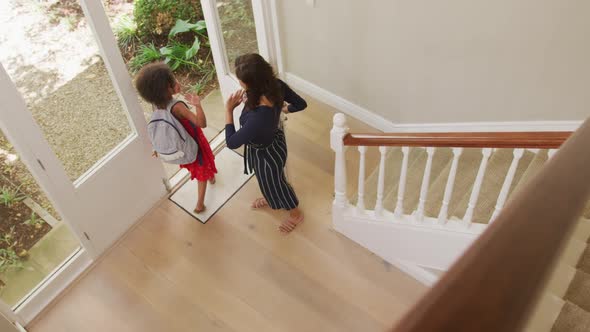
{"points": [[9, 260], [34, 221], [146, 54], [156, 17], [207, 72], [181, 26], [177, 54], [9, 196], [126, 31], [8, 238]]}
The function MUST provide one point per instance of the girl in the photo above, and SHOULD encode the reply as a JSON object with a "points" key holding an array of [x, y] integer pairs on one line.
{"points": [[265, 148], [157, 85]]}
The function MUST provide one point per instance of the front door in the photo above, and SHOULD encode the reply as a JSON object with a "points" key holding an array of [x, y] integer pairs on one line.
{"points": [[73, 118]]}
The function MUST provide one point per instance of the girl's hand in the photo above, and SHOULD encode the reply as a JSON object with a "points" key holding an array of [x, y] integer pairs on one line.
{"points": [[234, 100], [155, 154], [193, 99]]}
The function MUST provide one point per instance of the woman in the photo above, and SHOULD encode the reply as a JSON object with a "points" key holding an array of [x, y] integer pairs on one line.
{"points": [[265, 150]]}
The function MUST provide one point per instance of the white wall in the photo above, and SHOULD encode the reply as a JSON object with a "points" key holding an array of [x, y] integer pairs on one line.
{"points": [[418, 61]]}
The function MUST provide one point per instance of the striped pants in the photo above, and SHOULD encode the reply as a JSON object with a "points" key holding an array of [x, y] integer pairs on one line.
{"points": [[268, 164]]}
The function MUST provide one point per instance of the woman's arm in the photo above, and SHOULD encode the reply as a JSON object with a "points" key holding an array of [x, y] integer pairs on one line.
{"points": [[294, 102], [234, 139], [181, 111]]}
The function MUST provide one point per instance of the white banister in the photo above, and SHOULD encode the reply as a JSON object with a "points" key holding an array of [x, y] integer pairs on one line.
{"points": [[444, 209], [551, 153], [425, 184], [399, 206], [381, 182], [360, 204], [517, 155], [477, 186], [339, 130]]}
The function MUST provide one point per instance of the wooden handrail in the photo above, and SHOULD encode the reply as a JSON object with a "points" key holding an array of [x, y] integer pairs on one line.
{"points": [[538, 140], [495, 284]]}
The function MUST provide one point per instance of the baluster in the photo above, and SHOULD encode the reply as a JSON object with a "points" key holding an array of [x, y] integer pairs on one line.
{"points": [[339, 130], [381, 182], [425, 184], [507, 182], [399, 207], [444, 209], [360, 205], [477, 186]]}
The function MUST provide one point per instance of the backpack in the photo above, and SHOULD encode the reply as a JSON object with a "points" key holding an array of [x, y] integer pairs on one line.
{"points": [[169, 138]]}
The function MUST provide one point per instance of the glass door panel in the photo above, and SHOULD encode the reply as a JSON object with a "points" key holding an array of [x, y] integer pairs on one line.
{"points": [[34, 241], [53, 58], [238, 29]]}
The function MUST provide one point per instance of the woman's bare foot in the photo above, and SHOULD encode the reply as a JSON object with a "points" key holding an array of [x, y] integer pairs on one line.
{"points": [[295, 218], [259, 203], [212, 180], [200, 208]]}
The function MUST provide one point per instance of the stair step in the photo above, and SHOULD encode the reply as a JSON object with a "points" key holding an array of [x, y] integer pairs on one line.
{"points": [[413, 182], [582, 231], [492, 185], [578, 292], [545, 314], [583, 262], [466, 173], [496, 170], [573, 253], [534, 167], [393, 161], [586, 212], [561, 279], [494, 180], [572, 319], [524, 166], [416, 162], [440, 159]]}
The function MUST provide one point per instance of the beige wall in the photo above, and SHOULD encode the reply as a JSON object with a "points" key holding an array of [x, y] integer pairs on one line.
{"points": [[418, 61]]}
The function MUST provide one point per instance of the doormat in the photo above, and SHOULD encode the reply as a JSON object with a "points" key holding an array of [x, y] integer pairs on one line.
{"points": [[230, 179]]}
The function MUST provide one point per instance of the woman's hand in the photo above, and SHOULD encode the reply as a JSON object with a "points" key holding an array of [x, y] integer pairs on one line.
{"points": [[234, 100], [285, 108], [193, 99]]}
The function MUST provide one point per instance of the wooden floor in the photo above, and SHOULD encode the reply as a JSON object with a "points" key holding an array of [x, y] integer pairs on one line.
{"points": [[237, 272]]}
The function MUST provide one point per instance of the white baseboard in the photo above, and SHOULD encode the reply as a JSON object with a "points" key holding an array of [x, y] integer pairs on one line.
{"points": [[381, 123], [341, 104]]}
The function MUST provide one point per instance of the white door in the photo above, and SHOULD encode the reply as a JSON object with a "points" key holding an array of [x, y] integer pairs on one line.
{"points": [[237, 27], [101, 179]]}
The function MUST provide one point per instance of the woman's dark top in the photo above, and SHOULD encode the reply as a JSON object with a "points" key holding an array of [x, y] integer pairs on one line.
{"points": [[260, 124]]}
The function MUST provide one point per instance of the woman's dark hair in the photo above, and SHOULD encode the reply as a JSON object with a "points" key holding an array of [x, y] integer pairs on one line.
{"points": [[153, 82], [259, 77]]}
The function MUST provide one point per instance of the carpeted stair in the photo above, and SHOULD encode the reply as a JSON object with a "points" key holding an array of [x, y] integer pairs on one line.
{"points": [[565, 305]]}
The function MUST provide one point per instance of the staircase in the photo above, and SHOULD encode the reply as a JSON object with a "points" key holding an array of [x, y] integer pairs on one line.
{"points": [[423, 204], [565, 303]]}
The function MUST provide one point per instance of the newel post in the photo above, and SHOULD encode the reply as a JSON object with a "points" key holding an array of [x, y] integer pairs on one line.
{"points": [[339, 130]]}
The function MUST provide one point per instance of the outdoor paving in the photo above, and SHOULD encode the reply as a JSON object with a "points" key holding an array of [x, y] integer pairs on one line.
{"points": [[44, 257]]}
